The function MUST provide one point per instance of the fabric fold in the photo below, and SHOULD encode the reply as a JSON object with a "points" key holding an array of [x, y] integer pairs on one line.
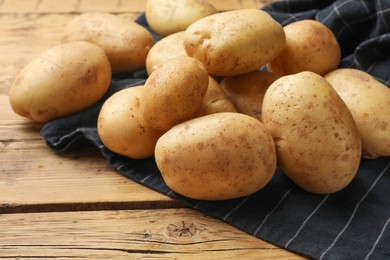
{"points": [[350, 224]]}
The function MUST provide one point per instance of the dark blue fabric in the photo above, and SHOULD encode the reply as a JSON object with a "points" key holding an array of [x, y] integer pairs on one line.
{"points": [[362, 28], [351, 224]]}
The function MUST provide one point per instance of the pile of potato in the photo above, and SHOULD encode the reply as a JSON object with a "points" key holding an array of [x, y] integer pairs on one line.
{"points": [[217, 124]]}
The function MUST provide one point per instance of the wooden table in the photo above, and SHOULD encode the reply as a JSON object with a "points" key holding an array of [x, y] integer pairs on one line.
{"points": [[75, 205]]}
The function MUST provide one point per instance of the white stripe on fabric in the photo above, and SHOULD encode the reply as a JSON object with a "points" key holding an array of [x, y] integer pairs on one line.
{"points": [[354, 212], [288, 6], [291, 18], [348, 25], [377, 240], [336, 9], [381, 14], [197, 204], [122, 165], [368, 17], [356, 63], [345, 23], [365, 7], [272, 211], [239, 205], [330, 14], [377, 53], [150, 175], [307, 219], [65, 137]]}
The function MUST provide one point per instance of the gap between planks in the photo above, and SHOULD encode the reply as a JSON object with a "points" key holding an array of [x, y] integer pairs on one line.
{"points": [[166, 233], [8, 208]]}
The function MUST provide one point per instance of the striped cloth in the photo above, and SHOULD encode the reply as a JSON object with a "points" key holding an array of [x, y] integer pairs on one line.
{"points": [[362, 28], [353, 223]]}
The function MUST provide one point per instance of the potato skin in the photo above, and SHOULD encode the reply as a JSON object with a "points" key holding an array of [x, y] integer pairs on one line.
{"points": [[317, 141], [215, 100], [165, 49], [247, 91], [219, 156], [218, 40], [61, 81], [174, 92], [369, 101], [171, 16], [122, 128], [126, 43], [310, 46]]}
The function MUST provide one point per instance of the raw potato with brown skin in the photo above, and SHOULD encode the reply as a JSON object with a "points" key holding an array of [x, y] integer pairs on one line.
{"points": [[215, 100], [369, 101], [247, 91], [122, 128], [317, 141], [234, 42], [61, 81], [165, 49], [170, 16], [310, 46], [174, 92], [215, 157], [126, 43]]}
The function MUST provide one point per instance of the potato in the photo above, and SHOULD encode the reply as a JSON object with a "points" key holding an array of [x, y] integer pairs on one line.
{"points": [[165, 49], [317, 141], [219, 156], [247, 91], [215, 100], [310, 46], [369, 102], [174, 92], [126, 43], [122, 128], [234, 42], [61, 81], [166, 17]]}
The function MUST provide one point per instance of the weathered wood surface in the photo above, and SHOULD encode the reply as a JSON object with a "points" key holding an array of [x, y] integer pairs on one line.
{"points": [[161, 234], [33, 178], [75, 205]]}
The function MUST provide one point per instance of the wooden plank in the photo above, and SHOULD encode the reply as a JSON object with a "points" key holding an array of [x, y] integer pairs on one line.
{"points": [[50, 6], [114, 6], [23, 38], [17, 6], [33, 178], [14, 127], [236, 4], [118, 6], [57, 182], [164, 234], [43, 181]]}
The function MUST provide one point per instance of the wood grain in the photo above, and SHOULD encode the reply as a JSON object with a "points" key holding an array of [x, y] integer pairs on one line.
{"points": [[162, 234], [75, 205], [113, 6], [41, 180], [32, 177], [27, 28], [24, 37]]}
